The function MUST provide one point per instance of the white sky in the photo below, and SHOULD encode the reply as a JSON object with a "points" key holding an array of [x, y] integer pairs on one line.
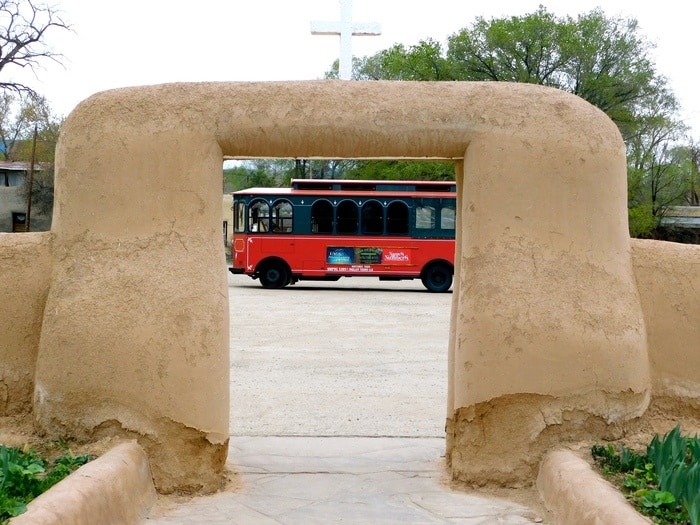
{"points": [[139, 42]]}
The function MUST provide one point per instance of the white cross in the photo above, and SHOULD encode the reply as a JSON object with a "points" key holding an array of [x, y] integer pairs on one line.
{"points": [[346, 29]]}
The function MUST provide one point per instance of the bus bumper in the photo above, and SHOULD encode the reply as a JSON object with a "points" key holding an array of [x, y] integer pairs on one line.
{"points": [[236, 270]]}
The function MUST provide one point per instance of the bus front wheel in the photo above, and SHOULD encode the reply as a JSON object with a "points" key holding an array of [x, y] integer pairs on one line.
{"points": [[437, 277], [274, 275]]}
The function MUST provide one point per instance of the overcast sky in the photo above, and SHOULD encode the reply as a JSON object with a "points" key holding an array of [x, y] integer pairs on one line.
{"points": [[140, 42]]}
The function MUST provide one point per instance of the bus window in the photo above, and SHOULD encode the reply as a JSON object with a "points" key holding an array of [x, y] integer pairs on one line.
{"points": [[425, 218], [259, 218], [347, 215], [322, 217], [282, 216], [372, 218], [239, 216], [397, 218], [447, 218]]}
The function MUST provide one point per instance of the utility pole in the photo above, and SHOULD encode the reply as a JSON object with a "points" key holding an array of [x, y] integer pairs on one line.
{"points": [[31, 181]]}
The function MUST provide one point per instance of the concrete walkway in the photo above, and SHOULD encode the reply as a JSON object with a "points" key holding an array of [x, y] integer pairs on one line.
{"points": [[338, 394], [355, 481]]}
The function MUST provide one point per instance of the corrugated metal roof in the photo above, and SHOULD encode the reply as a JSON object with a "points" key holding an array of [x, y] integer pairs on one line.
{"points": [[682, 211], [681, 222], [16, 166]]}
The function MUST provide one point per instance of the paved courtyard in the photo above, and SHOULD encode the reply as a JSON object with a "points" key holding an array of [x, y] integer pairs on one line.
{"points": [[358, 357]]}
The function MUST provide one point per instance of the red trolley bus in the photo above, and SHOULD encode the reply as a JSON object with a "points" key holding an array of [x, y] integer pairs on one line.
{"points": [[320, 229]]}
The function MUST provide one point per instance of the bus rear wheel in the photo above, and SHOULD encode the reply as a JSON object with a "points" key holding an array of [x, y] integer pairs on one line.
{"points": [[437, 277], [274, 275]]}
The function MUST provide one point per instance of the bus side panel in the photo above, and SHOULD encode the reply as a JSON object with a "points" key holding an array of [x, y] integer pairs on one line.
{"points": [[274, 245], [366, 256], [239, 254], [249, 250], [327, 256]]}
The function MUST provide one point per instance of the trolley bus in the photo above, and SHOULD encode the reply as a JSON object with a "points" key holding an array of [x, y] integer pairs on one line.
{"points": [[320, 229]]}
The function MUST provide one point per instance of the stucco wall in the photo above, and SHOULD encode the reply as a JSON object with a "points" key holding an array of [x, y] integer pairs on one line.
{"points": [[547, 341], [25, 276], [227, 216], [668, 278]]}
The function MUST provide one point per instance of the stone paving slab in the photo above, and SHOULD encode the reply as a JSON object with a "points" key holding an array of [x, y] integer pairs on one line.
{"points": [[307, 481]]}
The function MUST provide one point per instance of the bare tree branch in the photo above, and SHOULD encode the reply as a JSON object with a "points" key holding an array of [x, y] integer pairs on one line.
{"points": [[24, 25]]}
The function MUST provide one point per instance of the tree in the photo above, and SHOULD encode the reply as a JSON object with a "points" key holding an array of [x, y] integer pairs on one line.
{"points": [[516, 49], [424, 61], [24, 25], [659, 170], [693, 197], [609, 66], [35, 133], [19, 116], [42, 188], [402, 170], [28, 130], [260, 173], [601, 59]]}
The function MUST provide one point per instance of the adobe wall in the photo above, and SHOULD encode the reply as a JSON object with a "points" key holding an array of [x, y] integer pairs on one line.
{"points": [[548, 342], [227, 216], [25, 276], [668, 279]]}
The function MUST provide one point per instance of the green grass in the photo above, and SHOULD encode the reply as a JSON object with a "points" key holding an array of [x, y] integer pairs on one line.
{"points": [[663, 483], [25, 474]]}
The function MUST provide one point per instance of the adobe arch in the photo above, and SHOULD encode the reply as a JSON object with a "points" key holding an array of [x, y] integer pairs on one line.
{"points": [[546, 320]]}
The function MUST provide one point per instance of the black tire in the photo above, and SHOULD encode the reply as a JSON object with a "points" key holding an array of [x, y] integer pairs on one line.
{"points": [[437, 278], [274, 274]]}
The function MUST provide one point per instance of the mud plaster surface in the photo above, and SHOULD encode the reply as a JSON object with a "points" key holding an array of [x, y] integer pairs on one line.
{"points": [[17, 431], [112, 137]]}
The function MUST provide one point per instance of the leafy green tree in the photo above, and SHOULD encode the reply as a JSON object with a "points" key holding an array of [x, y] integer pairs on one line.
{"points": [[693, 197], [423, 61], [609, 65], [29, 133], [248, 174], [20, 116], [659, 170], [42, 190], [517, 49], [401, 170], [602, 59]]}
